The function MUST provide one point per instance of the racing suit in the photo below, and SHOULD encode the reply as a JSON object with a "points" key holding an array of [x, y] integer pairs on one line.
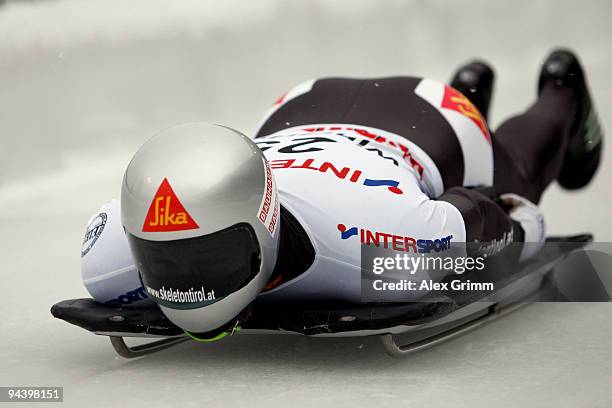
{"points": [[401, 160]]}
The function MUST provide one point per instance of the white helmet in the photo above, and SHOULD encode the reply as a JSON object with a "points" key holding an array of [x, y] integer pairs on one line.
{"points": [[107, 268], [201, 212]]}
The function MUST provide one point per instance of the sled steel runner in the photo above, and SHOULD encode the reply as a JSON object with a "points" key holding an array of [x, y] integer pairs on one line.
{"points": [[126, 351], [492, 313], [404, 328]]}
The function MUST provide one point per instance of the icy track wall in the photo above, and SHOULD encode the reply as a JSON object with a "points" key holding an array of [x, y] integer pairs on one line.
{"points": [[84, 83]]}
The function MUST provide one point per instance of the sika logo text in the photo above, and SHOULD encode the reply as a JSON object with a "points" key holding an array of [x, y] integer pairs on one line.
{"points": [[166, 213]]}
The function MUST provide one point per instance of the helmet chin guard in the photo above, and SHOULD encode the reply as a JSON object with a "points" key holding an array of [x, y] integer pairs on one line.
{"points": [[201, 213]]}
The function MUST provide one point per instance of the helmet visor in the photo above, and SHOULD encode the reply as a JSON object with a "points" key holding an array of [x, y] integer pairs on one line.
{"points": [[194, 272]]}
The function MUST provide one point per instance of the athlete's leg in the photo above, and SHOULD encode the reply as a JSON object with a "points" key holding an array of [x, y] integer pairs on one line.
{"points": [[528, 149], [559, 137]]}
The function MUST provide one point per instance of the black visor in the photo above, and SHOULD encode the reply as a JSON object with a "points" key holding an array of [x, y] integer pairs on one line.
{"points": [[192, 272]]}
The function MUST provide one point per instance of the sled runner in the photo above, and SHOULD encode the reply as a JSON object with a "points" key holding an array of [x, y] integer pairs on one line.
{"points": [[404, 327]]}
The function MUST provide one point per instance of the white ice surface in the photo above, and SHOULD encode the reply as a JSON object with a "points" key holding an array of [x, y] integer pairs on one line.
{"points": [[84, 83]]}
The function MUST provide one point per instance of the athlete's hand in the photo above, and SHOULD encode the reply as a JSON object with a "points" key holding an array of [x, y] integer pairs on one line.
{"points": [[531, 219]]}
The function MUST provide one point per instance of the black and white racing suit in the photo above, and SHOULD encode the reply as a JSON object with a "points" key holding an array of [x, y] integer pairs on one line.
{"points": [[393, 159]]}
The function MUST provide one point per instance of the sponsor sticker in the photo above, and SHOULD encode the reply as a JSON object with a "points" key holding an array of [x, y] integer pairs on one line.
{"points": [[166, 213], [93, 232], [395, 242], [274, 219], [270, 205], [348, 174], [128, 298], [456, 101]]}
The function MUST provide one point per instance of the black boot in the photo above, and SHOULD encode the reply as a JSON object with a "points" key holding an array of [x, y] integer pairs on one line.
{"points": [[475, 81], [581, 160]]}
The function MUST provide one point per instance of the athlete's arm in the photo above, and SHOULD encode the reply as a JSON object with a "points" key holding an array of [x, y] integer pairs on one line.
{"points": [[485, 221]]}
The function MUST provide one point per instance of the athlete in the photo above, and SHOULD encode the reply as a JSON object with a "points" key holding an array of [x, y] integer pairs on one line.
{"points": [[215, 219]]}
